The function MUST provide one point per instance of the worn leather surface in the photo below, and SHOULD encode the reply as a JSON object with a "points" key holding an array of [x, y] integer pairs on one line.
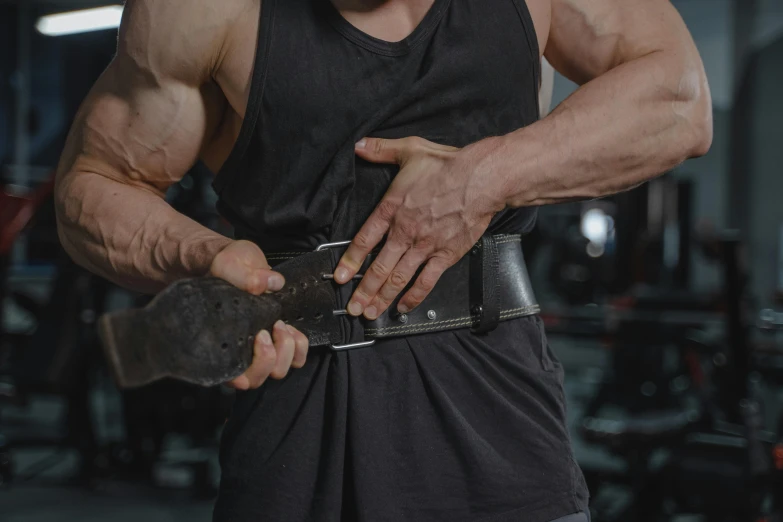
{"points": [[201, 330], [308, 300], [450, 302], [197, 330]]}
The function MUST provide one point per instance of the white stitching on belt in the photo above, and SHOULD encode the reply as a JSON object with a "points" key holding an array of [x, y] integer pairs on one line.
{"points": [[420, 328], [461, 321], [403, 327], [529, 308]]}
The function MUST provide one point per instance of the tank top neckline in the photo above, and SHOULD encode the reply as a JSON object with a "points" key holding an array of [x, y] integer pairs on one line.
{"points": [[377, 45]]}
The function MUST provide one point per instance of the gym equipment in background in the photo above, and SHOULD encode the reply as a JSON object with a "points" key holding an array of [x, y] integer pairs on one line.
{"points": [[700, 445]]}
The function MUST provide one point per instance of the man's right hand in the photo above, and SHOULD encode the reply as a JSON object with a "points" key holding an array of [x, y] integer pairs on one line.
{"points": [[244, 265]]}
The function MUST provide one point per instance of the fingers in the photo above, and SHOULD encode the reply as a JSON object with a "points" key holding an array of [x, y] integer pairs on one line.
{"points": [[285, 346], [369, 236], [408, 245], [380, 150], [273, 356], [375, 277], [302, 347], [424, 284], [264, 360], [244, 265], [396, 282], [252, 280]]}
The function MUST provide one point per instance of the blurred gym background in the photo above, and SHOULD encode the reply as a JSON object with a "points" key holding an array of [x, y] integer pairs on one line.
{"points": [[664, 304]]}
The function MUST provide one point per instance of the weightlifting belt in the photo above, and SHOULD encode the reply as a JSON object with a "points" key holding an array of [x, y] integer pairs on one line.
{"points": [[202, 330]]}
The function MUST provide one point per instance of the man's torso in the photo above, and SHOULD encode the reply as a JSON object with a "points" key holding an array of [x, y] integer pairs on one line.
{"points": [[391, 20], [406, 430]]}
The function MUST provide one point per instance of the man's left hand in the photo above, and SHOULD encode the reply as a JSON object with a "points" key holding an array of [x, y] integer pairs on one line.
{"points": [[439, 204]]}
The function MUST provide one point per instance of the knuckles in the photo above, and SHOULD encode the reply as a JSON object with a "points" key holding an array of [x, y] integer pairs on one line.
{"points": [[408, 230], [362, 241], [424, 244], [387, 209], [398, 279], [255, 284], [427, 281], [448, 255], [378, 145], [415, 144], [378, 269]]}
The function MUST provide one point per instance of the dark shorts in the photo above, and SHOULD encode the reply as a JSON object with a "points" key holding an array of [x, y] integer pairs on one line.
{"points": [[449, 426]]}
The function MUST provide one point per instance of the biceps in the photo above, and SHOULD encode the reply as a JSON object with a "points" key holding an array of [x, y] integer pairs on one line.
{"points": [[591, 37], [138, 131]]}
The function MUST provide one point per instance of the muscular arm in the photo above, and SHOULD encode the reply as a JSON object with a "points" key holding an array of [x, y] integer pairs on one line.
{"points": [[143, 125], [643, 106]]}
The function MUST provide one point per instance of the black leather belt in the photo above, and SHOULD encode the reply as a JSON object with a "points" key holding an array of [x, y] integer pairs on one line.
{"points": [[488, 285], [201, 330]]}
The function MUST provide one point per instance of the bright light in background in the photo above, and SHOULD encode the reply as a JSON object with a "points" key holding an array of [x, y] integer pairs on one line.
{"points": [[82, 21], [595, 226], [598, 228]]}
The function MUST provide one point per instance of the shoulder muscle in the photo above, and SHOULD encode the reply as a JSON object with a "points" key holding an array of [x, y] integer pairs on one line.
{"points": [[590, 37], [150, 114]]}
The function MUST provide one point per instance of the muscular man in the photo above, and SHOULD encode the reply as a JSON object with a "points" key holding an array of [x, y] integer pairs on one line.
{"points": [[410, 121]]}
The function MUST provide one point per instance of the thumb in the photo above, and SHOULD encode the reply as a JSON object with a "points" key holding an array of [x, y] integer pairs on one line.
{"points": [[250, 279], [380, 150], [244, 265]]}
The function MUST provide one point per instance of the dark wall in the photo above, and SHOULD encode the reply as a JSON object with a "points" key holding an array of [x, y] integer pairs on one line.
{"points": [[73, 64], [7, 65], [62, 71]]}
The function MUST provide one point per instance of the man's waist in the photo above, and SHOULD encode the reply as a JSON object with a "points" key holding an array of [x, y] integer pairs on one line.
{"points": [[201, 330], [488, 285]]}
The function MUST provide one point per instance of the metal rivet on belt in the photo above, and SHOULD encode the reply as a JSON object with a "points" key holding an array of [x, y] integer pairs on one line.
{"points": [[431, 315], [403, 318]]}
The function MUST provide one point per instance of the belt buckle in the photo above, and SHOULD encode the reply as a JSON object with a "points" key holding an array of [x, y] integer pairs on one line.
{"points": [[351, 346]]}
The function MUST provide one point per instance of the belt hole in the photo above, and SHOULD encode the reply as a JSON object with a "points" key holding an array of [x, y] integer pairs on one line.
{"points": [[218, 306], [224, 346]]}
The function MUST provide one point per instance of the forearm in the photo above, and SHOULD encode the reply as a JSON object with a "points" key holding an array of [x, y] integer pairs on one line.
{"points": [[623, 128], [130, 235]]}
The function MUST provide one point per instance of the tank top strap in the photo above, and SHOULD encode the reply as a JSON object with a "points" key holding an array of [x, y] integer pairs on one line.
{"points": [[233, 165]]}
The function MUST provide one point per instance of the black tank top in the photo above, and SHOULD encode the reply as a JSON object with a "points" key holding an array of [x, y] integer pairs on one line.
{"points": [[469, 70], [448, 426]]}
